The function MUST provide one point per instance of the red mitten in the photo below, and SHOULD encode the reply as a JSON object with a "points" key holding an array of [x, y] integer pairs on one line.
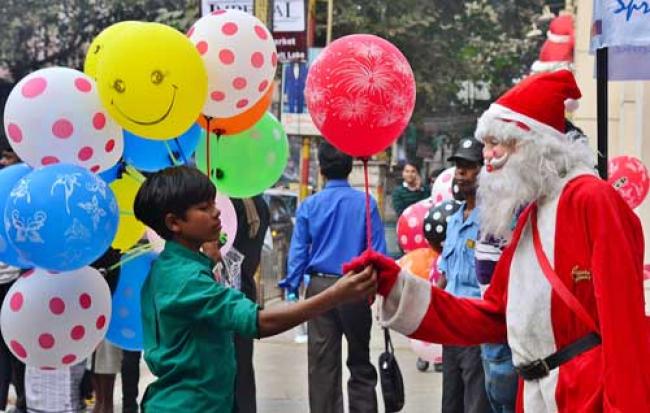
{"points": [[387, 269]]}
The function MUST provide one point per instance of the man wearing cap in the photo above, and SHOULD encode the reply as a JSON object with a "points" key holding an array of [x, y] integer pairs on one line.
{"points": [[463, 381], [567, 293]]}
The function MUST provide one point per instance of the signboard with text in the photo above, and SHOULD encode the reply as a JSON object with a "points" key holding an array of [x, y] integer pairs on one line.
{"points": [[290, 30], [208, 6], [294, 115]]}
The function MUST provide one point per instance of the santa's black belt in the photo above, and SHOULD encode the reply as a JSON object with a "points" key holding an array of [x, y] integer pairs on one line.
{"points": [[541, 368]]}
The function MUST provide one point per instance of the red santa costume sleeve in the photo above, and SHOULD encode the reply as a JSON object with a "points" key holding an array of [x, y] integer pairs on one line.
{"points": [[616, 241]]}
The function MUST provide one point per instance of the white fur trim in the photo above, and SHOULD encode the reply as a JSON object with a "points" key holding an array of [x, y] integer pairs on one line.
{"points": [[550, 66], [558, 38], [491, 124], [406, 305]]}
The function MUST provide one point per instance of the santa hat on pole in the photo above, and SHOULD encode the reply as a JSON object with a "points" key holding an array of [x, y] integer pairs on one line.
{"points": [[533, 109], [557, 50]]}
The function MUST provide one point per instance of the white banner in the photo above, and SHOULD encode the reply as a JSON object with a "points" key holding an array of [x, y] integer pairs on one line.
{"points": [[208, 6], [289, 16], [620, 23], [629, 62]]}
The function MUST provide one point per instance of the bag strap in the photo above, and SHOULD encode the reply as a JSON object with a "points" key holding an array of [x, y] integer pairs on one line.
{"points": [[556, 283], [388, 343]]}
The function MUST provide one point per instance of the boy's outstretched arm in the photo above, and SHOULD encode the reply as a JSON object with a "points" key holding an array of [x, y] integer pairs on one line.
{"points": [[352, 286]]}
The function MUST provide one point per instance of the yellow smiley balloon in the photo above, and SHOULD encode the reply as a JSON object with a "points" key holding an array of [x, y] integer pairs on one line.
{"points": [[129, 229], [110, 35], [153, 81]]}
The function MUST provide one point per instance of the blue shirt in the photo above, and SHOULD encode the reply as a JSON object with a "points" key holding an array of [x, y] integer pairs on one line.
{"points": [[458, 261], [331, 230]]}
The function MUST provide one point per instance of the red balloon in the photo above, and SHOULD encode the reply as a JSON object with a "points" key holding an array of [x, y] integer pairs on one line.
{"points": [[630, 178], [360, 93], [410, 226]]}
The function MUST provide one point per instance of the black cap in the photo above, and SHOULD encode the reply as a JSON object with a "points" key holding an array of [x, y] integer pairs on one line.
{"points": [[469, 150]]}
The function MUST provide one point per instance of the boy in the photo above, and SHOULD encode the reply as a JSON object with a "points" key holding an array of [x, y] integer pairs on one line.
{"points": [[189, 319]]}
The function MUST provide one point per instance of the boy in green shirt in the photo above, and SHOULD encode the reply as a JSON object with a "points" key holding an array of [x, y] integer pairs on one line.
{"points": [[188, 318]]}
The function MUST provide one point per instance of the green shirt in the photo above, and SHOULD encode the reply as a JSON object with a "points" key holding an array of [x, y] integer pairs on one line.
{"points": [[188, 325]]}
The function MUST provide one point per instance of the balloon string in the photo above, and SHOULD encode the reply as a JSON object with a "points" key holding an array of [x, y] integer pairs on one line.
{"points": [[175, 161], [131, 255], [207, 146], [182, 152], [126, 213], [368, 223], [135, 174]]}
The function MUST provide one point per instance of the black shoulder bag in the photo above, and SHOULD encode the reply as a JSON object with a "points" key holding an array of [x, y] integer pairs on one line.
{"points": [[392, 385]]}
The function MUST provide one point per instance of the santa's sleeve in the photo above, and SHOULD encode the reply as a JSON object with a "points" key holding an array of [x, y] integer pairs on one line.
{"points": [[616, 240], [419, 310]]}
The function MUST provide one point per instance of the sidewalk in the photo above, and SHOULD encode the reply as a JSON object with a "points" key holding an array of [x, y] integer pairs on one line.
{"points": [[281, 375]]}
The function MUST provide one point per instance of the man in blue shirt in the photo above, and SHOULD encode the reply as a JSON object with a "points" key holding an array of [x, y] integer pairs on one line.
{"points": [[331, 230], [463, 381]]}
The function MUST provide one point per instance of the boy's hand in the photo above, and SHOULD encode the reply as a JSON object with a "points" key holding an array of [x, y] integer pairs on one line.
{"points": [[356, 286], [387, 269], [213, 250]]}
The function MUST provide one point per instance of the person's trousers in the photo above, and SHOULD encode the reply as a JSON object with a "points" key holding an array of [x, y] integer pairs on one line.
{"points": [[245, 391], [354, 321], [501, 380], [463, 381], [130, 380]]}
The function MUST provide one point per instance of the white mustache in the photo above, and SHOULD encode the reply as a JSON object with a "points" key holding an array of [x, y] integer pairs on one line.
{"points": [[497, 163]]}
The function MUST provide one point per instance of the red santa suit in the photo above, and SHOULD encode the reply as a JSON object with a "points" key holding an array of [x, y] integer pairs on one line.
{"points": [[593, 241]]}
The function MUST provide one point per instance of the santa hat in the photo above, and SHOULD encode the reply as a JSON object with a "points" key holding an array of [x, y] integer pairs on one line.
{"points": [[533, 108]]}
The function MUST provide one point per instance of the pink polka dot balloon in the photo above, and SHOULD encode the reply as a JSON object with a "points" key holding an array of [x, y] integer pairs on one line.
{"points": [[629, 177], [427, 351], [410, 226], [55, 115], [442, 187], [240, 57], [54, 320]]}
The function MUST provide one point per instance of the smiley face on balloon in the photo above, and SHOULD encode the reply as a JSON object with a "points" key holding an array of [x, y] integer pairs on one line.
{"points": [[110, 35], [153, 83]]}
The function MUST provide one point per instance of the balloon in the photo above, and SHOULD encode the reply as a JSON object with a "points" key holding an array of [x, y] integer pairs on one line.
{"points": [[53, 320], [239, 54], [112, 174], [241, 122], [9, 176], [246, 164], [427, 351], [129, 229], [110, 35], [442, 189], [629, 177], [435, 223], [55, 115], [153, 82], [419, 262], [125, 329], [61, 217], [410, 235], [360, 94], [228, 226], [151, 156]]}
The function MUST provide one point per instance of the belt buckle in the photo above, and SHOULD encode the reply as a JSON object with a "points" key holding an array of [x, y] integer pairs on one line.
{"points": [[535, 370]]}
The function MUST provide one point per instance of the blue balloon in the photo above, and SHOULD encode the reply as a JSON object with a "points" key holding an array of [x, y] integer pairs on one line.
{"points": [[61, 217], [9, 176], [112, 174], [125, 329], [153, 155]]}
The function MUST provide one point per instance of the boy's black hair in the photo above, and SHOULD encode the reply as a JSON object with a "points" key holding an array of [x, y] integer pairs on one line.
{"points": [[4, 144], [333, 163], [172, 190]]}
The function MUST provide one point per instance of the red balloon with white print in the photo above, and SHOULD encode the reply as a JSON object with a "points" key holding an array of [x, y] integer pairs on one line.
{"points": [[360, 93], [629, 177]]}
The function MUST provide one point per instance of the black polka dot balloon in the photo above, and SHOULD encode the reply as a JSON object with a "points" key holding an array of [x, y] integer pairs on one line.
{"points": [[435, 222]]}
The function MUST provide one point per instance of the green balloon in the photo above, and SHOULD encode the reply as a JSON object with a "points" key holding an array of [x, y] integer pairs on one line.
{"points": [[245, 164]]}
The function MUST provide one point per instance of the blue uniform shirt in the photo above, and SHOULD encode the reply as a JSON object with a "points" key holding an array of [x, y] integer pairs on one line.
{"points": [[458, 261], [330, 230]]}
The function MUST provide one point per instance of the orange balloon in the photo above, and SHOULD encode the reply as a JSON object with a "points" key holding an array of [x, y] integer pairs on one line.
{"points": [[419, 262], [241, 122]]}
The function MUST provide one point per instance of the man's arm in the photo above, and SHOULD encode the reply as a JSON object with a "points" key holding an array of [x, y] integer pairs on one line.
{"points": [[298, 252]]}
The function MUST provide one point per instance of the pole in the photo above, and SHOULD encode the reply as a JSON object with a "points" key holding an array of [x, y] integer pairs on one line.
{"points": [[602, 109], [304, 167], [330, 16]]}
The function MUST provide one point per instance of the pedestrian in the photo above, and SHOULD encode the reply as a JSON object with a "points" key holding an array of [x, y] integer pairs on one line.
{"points": [[253, 218], [411, 190], [331, 229], [463, 380], [567, 293], [188, 318], [130, 371]]}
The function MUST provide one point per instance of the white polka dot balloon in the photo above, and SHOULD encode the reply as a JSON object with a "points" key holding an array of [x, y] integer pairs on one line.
{"points": [[54, 320], [55, 115], [442, 186], [240, 57], [410, 226]]}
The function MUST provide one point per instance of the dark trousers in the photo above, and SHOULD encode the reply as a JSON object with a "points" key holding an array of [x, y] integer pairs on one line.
{"points": [[130, 380], [353, 320], [12, 370], [245, 390], [463, 381]]}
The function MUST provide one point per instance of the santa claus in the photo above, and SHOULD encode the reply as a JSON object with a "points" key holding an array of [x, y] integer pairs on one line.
{"points": [[567, 294]]}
